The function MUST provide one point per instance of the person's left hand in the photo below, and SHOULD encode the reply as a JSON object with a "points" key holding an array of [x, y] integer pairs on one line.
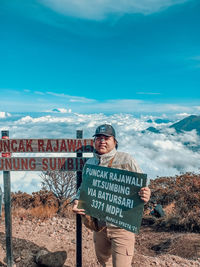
{"points": [[145, 194]]}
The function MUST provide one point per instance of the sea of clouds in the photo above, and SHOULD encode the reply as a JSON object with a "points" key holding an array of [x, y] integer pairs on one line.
{"points": [[165, 154], [98, 10]]}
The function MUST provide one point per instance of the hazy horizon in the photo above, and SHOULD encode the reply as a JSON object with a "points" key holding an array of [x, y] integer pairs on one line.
{"points": [[165, 154]]}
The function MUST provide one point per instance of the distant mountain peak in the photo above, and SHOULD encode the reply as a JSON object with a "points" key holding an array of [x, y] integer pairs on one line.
{"points": [[153, 130], [189, 123]]}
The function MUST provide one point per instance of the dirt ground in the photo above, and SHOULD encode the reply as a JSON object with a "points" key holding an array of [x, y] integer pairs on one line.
{"points": [[152, 248]]}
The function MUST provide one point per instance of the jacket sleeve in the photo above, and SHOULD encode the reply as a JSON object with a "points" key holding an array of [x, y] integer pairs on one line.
{"points": [[125, 161], [134, 166]]}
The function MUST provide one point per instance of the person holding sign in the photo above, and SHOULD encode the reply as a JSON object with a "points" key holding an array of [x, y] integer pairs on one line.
{"points": [[112, 240]]}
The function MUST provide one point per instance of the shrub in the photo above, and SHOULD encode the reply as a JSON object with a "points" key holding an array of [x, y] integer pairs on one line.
{"points": [[183, 192]]}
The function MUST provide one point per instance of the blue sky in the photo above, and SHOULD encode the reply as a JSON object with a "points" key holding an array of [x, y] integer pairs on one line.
{"points": [[81, 63], [100, 56]]}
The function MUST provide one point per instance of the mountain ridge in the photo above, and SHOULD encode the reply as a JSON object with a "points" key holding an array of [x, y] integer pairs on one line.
{"points": [[189, 123]]}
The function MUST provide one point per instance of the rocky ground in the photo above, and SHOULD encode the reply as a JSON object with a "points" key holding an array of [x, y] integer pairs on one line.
{"points": [[57, 234]]}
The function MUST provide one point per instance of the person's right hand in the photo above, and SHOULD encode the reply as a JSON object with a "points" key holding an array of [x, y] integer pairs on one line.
{"points": [[75, 208]]}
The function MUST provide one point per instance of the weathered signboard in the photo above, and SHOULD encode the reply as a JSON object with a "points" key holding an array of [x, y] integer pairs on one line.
{"points": [[8, 146], [9, 163], [46, 145], [42, 164], [112, 195]]}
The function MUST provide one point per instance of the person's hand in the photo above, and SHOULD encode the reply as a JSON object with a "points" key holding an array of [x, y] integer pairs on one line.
{"points": [[75, 208], [145, 194]]}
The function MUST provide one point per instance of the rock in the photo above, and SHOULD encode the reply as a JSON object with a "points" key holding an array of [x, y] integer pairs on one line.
{"points": [[18, 259], [51, 259]]}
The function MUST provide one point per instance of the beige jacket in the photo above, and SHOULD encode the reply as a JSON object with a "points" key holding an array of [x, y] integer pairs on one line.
{"points": [[122, 161]]}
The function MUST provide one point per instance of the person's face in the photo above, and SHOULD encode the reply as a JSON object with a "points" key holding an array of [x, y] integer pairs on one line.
{"points": [[104, 144]]}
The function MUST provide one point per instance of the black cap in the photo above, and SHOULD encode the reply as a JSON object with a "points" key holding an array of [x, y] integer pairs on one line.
{"points": [[105, 129]]}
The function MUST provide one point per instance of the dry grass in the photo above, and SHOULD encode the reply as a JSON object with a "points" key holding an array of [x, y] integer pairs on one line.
{"points": [[29, 208], [178, 195], [40, 212]]}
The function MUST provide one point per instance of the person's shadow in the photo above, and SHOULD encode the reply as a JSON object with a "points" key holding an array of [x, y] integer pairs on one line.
{"points": [[24, 251]]}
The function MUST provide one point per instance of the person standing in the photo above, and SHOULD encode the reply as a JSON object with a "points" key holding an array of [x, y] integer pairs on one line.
{"points": [[114, 246]]}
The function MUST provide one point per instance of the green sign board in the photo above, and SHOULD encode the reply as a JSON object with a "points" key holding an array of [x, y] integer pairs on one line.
{"points": [[111, 195]]}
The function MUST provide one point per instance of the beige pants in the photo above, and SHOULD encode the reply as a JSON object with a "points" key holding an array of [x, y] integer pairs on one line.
{"points": [[115, 242]]}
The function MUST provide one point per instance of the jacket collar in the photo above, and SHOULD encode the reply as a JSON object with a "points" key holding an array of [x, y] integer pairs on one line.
{"points": [[106, 156]]}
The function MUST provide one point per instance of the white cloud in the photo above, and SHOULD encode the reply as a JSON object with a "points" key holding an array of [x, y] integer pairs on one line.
{"points": [[134, 105], [39, 93], [25, 181], [81, 99], [182, 115], [147, 93], [44, 119], [98, 10], [58, 101], [4, 114], [72, 98], [61, 110], [167, 145], [195, 60], [161, 154]]}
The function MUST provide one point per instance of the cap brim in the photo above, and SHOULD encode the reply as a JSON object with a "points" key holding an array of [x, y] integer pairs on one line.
{"points": [[103, 134]]}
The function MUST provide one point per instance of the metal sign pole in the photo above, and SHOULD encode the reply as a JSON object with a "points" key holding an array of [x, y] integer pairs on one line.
{"points": [[7, 205], [1, 198], [79, 134]]}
